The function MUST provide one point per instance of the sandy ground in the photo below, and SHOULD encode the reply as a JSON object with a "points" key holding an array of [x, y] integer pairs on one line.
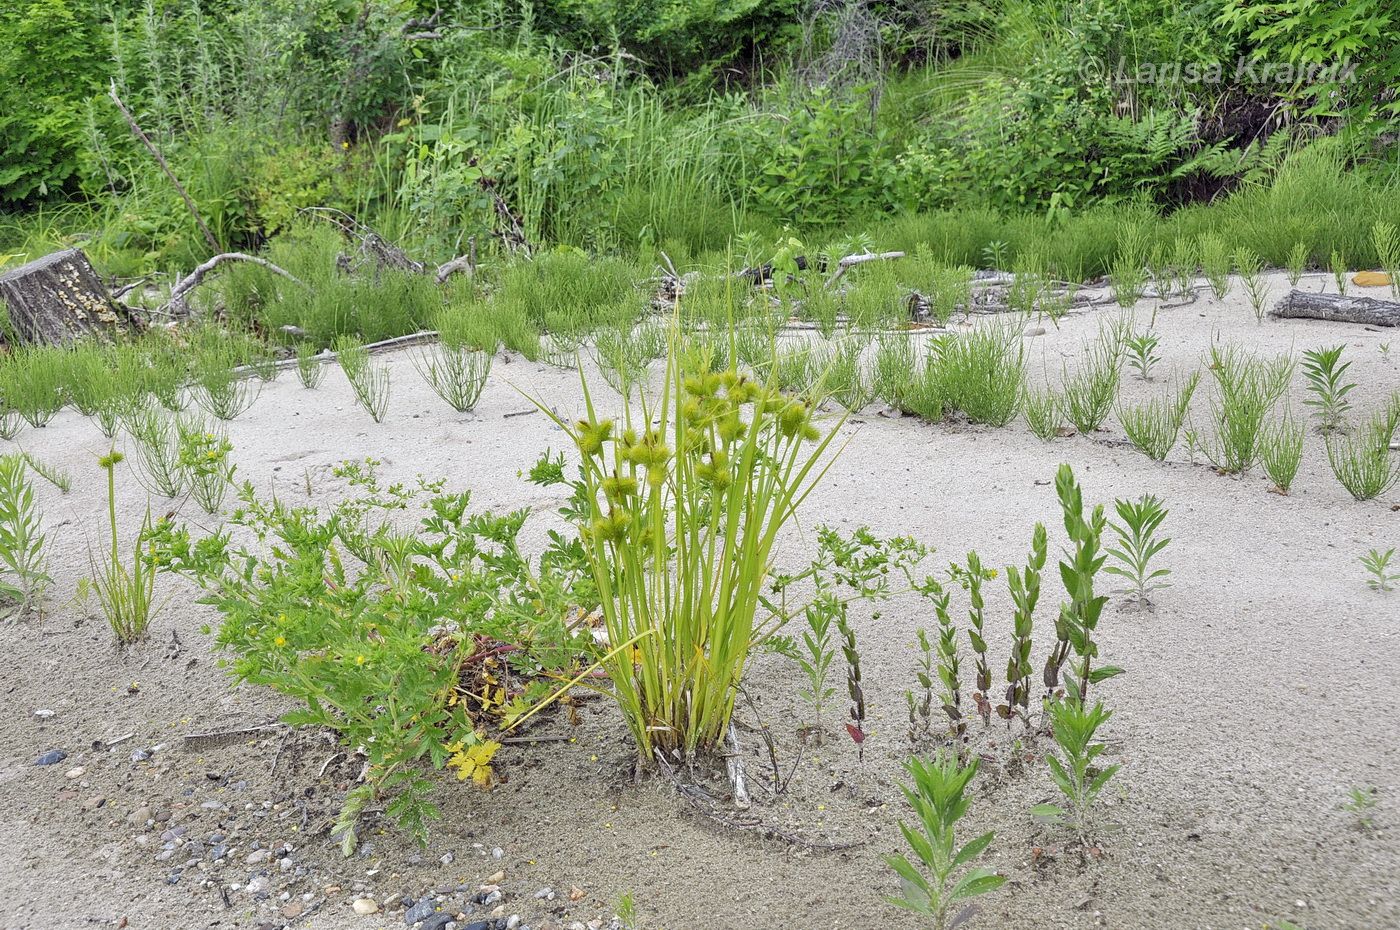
{"points": [[1258, 694]]}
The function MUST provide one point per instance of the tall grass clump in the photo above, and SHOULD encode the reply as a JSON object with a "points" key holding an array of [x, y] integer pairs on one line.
{"points": [[685, 500], [983, 373]]}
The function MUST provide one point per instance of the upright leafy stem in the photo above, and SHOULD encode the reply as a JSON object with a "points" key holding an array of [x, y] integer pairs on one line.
{"points": [[854, 689], [1079, 617], [1025, 594], [1138, 544], [1075, 727], [938, 796], [23, 575], [971, 579], [1324, 371]]}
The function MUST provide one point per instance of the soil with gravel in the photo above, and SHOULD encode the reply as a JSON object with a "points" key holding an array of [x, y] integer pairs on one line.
{"points": [[1257, 695]]}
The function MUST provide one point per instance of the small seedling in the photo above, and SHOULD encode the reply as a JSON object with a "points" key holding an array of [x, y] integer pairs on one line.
{"points": [[1359, 803], [1138, 544], [938, 796], [1339, 272], [1297, 261], [816, 662], [1324, 371], [1377, 564], [1141, 350], [1024, 585]]}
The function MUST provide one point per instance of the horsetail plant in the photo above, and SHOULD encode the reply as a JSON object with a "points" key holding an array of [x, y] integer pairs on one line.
{"points": [[1339, 272], [310, 371], [1386, 238], [369, 381], [1281, 451], [1251, 268], [938, 796], [1297, 261], [1091, 391], [1042, 413], [1154, 426], [1362, 460], [1215, 262]]}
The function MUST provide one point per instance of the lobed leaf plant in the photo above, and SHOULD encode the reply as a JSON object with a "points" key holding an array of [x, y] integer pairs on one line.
{"points": [[948, 878], [406, 640], [203, 459], [23, 561], [681, 504]]}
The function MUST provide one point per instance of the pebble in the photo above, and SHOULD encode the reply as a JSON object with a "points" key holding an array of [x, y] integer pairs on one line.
{"points": [[420, 911], [497, 852], [544, 894], [496, 878], [293, 910], [513, 922], [92, 804], [43, 713], [478, 925], [258, 855], [576, 893], [76, 771], [259, 885], [365, 906], [139, 817], [140, 755], [52, 757], [447, 858], [437, 922]]}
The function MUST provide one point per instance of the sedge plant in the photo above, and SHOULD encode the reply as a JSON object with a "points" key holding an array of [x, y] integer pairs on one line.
{"points": [[126, 595], [681, 504]]}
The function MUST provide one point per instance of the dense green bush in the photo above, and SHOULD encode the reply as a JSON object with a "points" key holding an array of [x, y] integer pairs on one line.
{"points": [[51, 64]]}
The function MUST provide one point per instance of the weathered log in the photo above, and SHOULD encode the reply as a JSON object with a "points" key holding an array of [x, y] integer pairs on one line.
{"points": [[57, 299], [1337, 308]]}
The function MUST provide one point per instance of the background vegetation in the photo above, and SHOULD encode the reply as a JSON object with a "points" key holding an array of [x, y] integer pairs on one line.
{"points": [[632, 128]]}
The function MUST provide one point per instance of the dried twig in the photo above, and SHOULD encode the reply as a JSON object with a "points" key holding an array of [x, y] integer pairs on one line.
{"points": [[462, 263], [164, 166], [734, 764]]}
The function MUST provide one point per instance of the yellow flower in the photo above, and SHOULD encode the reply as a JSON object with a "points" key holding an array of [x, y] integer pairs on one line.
{"points": [[359, 660], [279, 641]]}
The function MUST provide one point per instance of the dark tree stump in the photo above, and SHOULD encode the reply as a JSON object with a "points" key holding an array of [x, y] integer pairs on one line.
{"points": [[1337, 308], [58, 299]]}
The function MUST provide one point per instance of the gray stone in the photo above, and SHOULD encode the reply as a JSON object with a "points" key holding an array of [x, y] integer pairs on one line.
{"points": [[422, 910]]}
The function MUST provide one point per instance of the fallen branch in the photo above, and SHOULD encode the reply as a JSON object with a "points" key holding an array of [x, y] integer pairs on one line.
{"points": [[164, 166], [1337, 308], [850, 261], [462, 263], [177, 305]]}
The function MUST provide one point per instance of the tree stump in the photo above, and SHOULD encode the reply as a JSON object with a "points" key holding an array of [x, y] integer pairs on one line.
{"points": [[58, 299], [1336, 308]]}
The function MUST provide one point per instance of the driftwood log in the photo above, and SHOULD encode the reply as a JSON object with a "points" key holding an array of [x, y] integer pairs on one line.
{"points": [[1337, 308], [58, 299]]}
